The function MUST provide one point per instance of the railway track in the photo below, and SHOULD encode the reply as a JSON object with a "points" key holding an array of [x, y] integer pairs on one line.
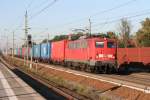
{"points": [[142, 75], [135, 81], [61, 91], [130, 82], [131, 78]]}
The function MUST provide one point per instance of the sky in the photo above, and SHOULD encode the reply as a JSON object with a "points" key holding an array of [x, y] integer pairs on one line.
{"points": [[64, 15]]}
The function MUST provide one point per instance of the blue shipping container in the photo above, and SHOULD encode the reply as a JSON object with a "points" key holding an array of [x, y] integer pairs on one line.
{"points": [[16, 54], [45, 51], [37, 51], [20, 52]]}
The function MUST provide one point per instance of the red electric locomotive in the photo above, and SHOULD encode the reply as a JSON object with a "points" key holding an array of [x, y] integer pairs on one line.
{"points": [[92, 54]]}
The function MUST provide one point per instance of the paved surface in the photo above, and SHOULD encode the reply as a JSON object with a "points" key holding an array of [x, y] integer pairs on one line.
{"points": [[13, 88]]}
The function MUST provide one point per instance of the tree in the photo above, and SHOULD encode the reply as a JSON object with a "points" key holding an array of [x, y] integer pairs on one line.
{"points": [[143, 34], [76, 36], [45, 41], [60, 37], [111, 35], [125, 29]]}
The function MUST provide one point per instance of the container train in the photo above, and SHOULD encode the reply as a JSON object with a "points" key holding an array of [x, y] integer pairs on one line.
{"points": [[96, 55], [90, 54]]}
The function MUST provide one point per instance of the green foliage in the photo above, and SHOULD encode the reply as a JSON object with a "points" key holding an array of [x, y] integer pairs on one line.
{"points": [[112, 35], [60, 37], [143, 34], [76, 36], [121, 44], [101, 35], [145, 42], [80, 34], [125, 29], [130, 44], [45, 41]]}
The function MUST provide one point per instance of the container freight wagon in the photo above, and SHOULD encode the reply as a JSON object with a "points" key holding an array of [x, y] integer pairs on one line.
{"points": [[23, 52], [16, 52], [20, 52], [58, 51], [46, 52], [28, 52], [133, 57], [31, 52], [94, 54], [36, 52]]}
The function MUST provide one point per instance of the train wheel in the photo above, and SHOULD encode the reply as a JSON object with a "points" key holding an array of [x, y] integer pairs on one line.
{"points": [[78, 66], [82, 67], [92, 69], [85, 68], [104, 69], [123, 70], [72, 66], [65, 64], [96, 70], [109, 70], [88, 69], [68, 64]]}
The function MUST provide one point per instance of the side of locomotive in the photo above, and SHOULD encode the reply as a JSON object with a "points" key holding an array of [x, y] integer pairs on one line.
{"points": [[93, 54]]}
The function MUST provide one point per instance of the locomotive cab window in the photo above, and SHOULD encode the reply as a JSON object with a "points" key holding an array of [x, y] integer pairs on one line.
{"points": [[111, 44], [99, 44]]}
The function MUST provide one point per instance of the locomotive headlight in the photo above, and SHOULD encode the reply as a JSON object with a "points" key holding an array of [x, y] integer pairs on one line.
{"points": [[101, 55]]}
